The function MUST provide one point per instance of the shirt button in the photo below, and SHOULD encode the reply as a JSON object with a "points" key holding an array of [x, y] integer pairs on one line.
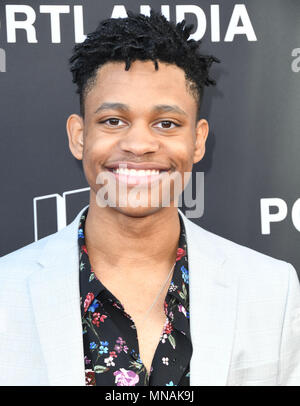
{"points": [[135, 356], [173, 360]]}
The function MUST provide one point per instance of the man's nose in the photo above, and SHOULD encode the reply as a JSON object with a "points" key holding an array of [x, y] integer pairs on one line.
{"points": [[139, 139]]}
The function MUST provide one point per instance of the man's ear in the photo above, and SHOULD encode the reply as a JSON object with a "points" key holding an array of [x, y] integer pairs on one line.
{"points": [[202, 130], [75, 135]]}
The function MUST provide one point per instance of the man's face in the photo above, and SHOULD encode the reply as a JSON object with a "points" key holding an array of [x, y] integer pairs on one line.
{"points": [[141, 118]]}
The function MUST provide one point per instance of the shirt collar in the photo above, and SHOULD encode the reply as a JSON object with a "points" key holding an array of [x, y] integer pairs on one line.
{"points": [[90, 285], [179, 284]]}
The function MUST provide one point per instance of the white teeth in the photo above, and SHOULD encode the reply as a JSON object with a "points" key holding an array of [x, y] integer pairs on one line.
{"points": [[134, 172]]}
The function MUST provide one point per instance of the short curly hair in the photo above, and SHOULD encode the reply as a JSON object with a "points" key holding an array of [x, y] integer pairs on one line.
{"points": [[140, 37]]}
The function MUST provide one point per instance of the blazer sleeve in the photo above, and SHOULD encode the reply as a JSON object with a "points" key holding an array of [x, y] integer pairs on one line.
{"points": [[289, 363]]}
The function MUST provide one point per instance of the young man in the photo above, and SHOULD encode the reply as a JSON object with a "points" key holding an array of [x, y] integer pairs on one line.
{"points": [[140, 295]]}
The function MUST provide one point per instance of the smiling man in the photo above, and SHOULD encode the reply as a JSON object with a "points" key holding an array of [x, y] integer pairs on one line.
{"points": [[136, 294]]}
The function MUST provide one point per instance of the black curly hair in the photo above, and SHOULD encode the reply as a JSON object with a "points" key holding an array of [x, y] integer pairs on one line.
{"points": [[140, 37]]}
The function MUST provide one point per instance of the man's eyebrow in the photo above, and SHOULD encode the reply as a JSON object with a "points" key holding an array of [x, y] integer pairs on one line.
{"points": [[159, 108], [112, 106], [166, 108]]}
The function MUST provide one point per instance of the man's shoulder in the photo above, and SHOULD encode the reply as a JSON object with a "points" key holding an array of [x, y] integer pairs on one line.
{"points": [[24, 259], [235, 249], [246, 260]]}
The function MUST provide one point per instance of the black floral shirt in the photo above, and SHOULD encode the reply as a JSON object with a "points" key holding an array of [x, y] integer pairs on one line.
{"points": [[110, 341]]}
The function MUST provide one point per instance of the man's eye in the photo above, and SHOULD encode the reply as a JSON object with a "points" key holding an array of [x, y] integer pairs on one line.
{"points": [[167, 124], [113, 122]]}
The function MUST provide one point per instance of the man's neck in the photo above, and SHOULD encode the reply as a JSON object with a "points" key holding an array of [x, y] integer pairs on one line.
{"points": [[126, 243]]}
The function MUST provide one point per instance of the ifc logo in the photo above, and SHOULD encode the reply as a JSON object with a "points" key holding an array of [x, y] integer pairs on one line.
{"points": [[2, 58]]}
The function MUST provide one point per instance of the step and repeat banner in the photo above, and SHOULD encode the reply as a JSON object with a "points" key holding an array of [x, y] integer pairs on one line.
{"points": [[250, 171]]}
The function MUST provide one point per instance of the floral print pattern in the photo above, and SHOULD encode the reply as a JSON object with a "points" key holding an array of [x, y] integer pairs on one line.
{"points": [[110, 341]]}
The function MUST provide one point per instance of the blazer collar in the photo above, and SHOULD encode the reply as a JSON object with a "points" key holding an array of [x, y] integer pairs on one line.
{"points": [[56, 301]]}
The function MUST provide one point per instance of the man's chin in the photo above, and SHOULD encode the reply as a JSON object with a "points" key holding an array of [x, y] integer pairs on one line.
{"points": [[138, 211]]}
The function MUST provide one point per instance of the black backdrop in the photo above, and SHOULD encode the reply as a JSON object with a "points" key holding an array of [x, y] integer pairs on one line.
{"points": [[254, 142]]}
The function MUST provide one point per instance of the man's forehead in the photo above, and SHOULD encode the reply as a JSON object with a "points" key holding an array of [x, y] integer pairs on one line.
{"points": [[167, 81], [166, 88]]}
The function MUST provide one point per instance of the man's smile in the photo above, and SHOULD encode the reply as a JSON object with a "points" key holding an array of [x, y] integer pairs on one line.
{"points": [[137, 173]]}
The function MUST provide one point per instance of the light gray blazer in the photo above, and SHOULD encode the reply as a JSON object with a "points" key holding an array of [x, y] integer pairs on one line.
{"points": [[244, 313]]}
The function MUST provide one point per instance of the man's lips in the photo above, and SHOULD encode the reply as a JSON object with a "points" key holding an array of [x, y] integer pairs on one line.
{"points": [[137, 173]]}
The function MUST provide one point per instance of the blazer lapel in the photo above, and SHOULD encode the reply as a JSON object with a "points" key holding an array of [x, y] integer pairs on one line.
{"points": [[213, 307], [55, 297]]}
